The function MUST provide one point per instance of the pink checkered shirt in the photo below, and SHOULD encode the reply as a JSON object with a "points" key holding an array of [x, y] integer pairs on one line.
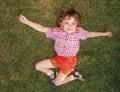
{"points": [[66, 44]]}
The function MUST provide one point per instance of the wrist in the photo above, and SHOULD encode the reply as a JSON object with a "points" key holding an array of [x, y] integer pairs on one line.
{"points": [[27, 22], [104, 34]]}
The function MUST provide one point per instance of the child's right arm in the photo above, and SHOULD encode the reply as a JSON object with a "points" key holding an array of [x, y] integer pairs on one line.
{"points": [[35, 26]]}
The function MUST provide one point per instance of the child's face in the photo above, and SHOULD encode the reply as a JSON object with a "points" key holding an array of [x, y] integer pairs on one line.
{"points": [[69, 25]]}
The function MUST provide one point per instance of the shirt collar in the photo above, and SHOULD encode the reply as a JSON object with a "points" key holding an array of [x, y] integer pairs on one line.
{"points": [[69, 33]]}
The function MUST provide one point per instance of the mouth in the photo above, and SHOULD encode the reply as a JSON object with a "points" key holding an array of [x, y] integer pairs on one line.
{"points": [[69, 30]]}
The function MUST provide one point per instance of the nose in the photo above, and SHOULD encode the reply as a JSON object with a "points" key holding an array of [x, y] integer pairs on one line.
{"points": [[69, 27]]}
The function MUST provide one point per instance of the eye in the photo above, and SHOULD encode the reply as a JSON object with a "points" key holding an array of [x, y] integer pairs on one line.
{"points": [[74, 23], [66, 22]]}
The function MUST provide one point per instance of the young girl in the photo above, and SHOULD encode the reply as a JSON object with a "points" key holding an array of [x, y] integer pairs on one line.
{"points": [[67, 36]]}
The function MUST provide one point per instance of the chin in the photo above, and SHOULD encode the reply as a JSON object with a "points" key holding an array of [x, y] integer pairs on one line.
{"points": [[70, 31]]}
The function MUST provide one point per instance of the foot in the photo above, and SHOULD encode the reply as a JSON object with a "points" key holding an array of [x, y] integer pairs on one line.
{"points": [[78, 76], [53, 84], [53, 75]]}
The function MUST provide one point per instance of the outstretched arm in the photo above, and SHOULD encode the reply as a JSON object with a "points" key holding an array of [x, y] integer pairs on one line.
{"points": [[35, 26], [97, 34]]}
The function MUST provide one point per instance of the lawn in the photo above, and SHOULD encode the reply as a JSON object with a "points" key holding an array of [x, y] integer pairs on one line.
{"points": [[21, 46]]}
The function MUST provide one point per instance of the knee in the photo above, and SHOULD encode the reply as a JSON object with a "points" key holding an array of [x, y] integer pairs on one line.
{"points": [[37, 66]]}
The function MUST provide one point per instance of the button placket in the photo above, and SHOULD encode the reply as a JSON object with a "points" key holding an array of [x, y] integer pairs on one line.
{"points": [[66, 42]]}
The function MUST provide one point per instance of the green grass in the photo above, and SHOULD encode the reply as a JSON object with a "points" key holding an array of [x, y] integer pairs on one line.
{"points": [[21, 46]]}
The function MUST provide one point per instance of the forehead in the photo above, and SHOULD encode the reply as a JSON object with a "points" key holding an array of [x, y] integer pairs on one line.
{"points": [[72, 19]]}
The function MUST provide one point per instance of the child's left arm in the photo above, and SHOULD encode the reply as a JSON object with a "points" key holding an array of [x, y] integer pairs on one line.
{"points": [[97, 34]]}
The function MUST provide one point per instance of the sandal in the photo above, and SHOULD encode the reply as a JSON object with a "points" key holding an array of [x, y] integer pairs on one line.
{"points": [[53, 75], [78, 75], [53, 84]]}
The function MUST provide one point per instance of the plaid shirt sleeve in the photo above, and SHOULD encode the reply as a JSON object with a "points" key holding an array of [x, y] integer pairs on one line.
{"points": [[51, 33], [83, 34]]}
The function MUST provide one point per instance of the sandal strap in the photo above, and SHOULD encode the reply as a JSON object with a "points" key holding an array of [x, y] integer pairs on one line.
{"points": [[54, 75], [78, 75], [53, 84]]}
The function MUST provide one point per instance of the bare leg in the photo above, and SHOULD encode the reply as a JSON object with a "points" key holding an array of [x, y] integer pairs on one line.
{"points": [[44, 66], [62, 79]]}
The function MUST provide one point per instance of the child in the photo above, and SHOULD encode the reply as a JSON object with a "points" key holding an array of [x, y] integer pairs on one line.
{"points": [[67, 36]]}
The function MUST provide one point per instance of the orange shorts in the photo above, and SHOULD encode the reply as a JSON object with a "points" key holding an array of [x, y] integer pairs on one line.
{"points": [[66, 64]]}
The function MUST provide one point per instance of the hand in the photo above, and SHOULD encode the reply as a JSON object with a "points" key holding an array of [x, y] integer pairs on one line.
{"points": [[109, 34], [23, 19]]}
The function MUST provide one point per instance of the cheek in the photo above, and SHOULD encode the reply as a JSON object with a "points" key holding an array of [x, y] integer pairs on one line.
{"points": [[74, 27], [64, 26]]}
